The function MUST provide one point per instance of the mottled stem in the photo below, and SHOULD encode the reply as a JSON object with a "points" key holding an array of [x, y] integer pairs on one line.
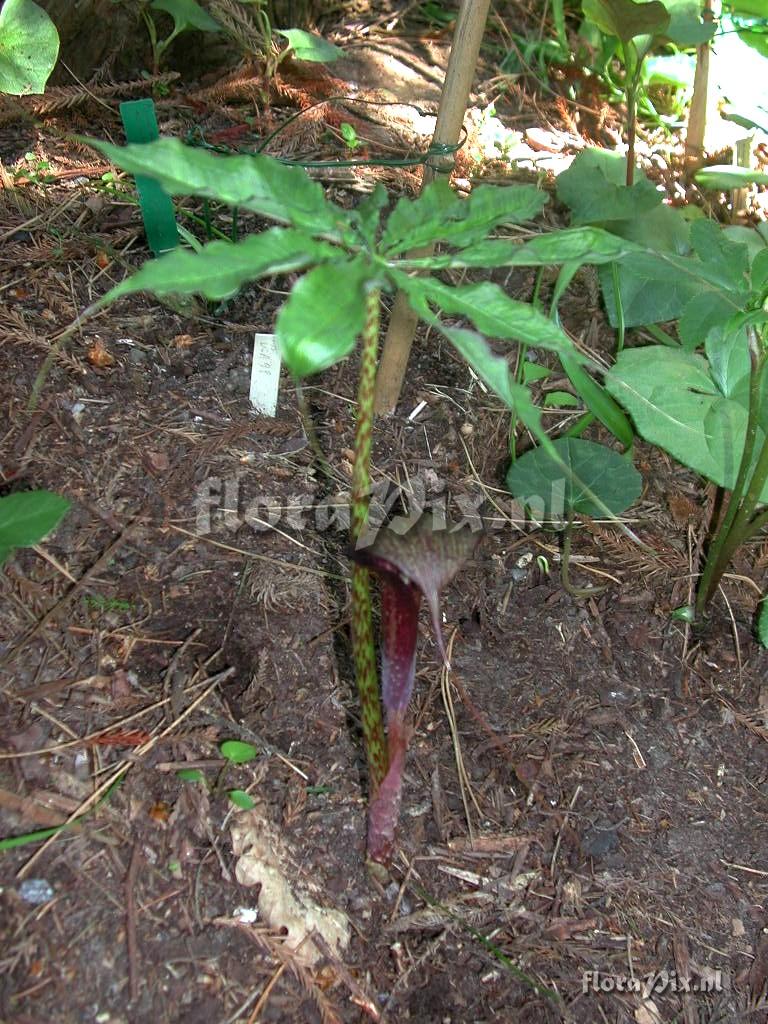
{"points": [[363, 646]]}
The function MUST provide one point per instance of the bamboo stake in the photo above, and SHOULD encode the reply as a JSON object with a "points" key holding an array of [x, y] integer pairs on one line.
{"points": [[702, 101], [462, 62]]}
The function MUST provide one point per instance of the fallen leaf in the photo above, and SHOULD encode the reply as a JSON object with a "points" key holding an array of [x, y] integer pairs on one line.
{"points": [[157, 461], [99, 356], [159, 812]]}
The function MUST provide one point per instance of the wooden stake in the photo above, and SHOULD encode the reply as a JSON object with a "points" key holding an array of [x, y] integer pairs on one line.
{"points": [[702, 101], [462, 62]]}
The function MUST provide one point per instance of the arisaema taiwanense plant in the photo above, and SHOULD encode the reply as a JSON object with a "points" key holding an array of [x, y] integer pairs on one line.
{"points": [[346, 260]]}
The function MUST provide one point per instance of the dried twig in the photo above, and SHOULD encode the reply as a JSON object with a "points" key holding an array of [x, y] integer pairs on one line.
{"points": [[130, 922]]}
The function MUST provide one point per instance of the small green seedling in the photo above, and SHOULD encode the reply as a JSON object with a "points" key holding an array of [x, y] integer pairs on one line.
{"points": [[237, 751], [37, 170], [241, 799], [27, 517], [349, 135], [190, 775]]}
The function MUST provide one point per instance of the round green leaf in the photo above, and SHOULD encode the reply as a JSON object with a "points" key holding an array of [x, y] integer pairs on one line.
{"points": [[190, 775], [29, 47], [237, 751], [242, 799], [554, 492]]}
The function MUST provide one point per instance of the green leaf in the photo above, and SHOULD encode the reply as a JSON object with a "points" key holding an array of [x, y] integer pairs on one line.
{"points": [[724, 177], [664, 228], [540, 482], [758, 41], [256, 183], [595, 190], [727, 349], [415, 222], [534, 371], [677, 405], [241, 799], [491, 311], [703, 312], [187, 14], [598, 401], [220, 268], [762, 623], [754, 238], [572, 245], [626, 19], [237, 751], [323, 316], [438, 214], [749, 8], [308, 46], [494, 370], [685, 613], [367, 215], [656, 287], [686, 27], [190, 775], [760, 270], [561, 400], [728, 259], [27, 517], [29, 47]]}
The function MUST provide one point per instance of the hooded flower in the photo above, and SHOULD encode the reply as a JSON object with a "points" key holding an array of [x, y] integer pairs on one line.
{"points": [[419, 563]]}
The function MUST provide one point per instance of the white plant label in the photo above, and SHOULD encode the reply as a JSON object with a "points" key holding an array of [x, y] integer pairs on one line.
{"points": [[265, 374]]}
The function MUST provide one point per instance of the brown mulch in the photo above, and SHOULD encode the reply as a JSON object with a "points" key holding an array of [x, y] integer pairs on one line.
{"points": [[583, 830]]}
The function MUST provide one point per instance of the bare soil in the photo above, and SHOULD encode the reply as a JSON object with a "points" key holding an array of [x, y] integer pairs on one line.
{"points": [[583, 832]]}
